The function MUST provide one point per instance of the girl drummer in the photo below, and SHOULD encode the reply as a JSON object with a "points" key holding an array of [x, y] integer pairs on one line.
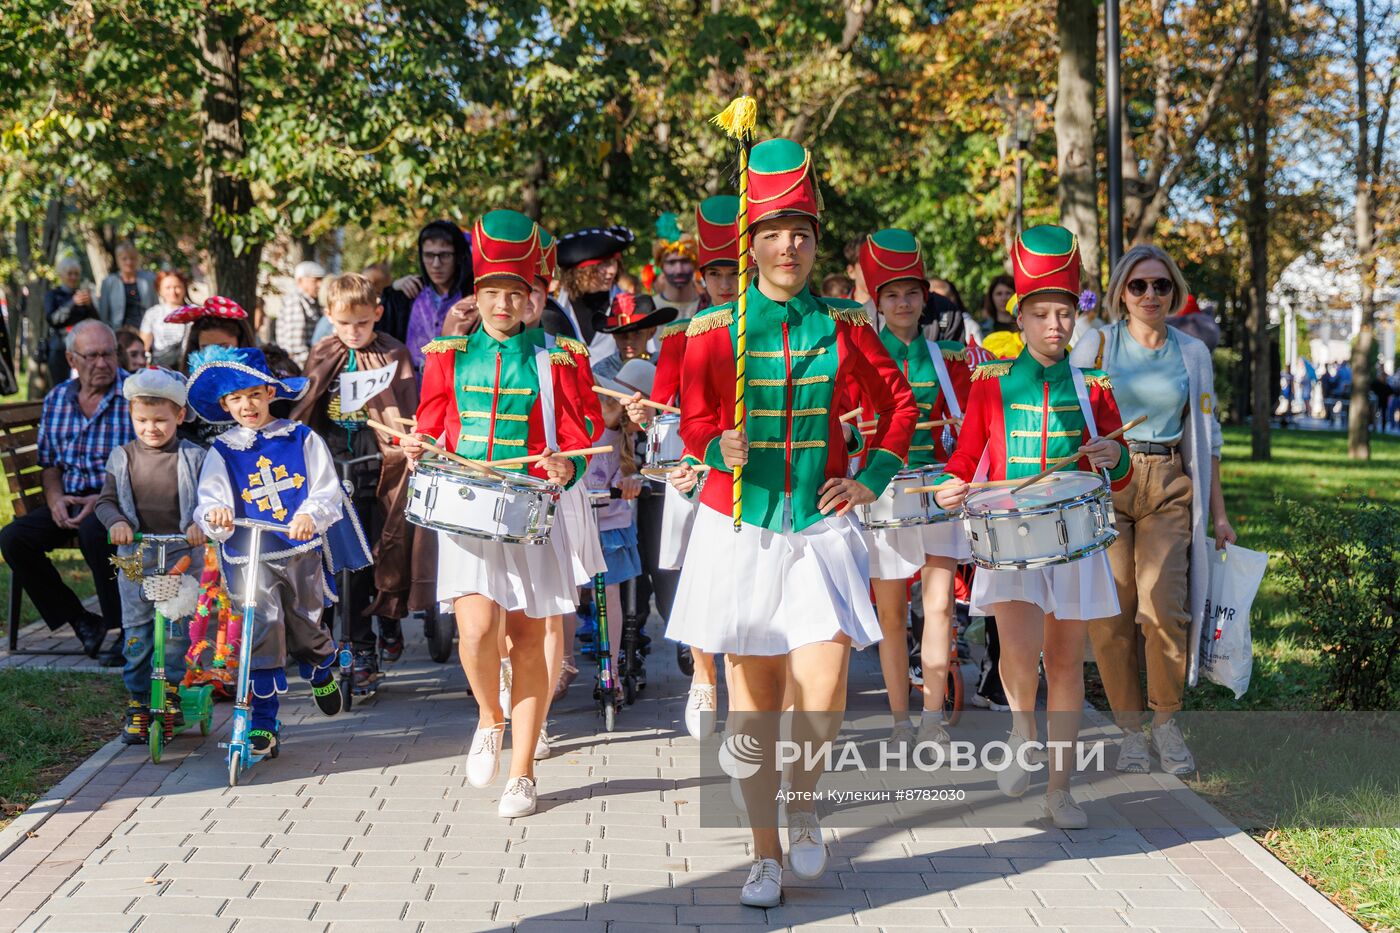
{"points": [[495, 394], [778, 584], [718, 263], [1021, 415], [894, 274]]}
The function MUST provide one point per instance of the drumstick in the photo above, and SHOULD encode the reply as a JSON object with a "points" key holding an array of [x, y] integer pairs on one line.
{"points": [[1065, 461], [441, 452], [623, 396], [921, 426], [525, 461], [853, 413], [402, 420]]}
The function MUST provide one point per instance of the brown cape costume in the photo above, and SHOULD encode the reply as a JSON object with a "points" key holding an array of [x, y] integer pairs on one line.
{"points": [[399, 551]]}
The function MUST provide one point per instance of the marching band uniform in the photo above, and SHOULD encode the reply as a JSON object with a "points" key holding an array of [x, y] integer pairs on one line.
{"points": [[1021, 416], [773, 586], [488, 399], [939, 377], [717, 244]]}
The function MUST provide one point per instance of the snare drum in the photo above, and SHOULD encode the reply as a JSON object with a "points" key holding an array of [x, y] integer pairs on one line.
{"points": [[898, 509], [516, 510], [1060, 519], [664, 446]]}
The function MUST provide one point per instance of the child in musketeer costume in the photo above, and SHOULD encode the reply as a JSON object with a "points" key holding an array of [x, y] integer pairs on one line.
{"points": [[1023, 414], [717, 246], [278, 471], [496, 394], [937, 372], [785, 596]]}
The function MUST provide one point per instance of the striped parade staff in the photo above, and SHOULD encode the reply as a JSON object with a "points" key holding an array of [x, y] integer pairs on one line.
{"points": [[738, 121]]}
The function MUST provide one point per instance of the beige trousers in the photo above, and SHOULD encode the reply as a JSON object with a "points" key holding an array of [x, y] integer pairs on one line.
{"points": [[1151, 560]]}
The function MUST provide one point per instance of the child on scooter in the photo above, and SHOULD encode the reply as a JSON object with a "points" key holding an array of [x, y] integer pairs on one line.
{"points": [[273, 470], [136, 497]]}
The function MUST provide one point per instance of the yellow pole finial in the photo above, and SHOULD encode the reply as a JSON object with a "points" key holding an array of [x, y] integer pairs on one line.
{"points": [[739, 118]]}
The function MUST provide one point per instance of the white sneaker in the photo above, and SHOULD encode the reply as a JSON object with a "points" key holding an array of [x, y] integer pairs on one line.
{"points": [[505, 688], [543, 747], [931, 730], [806, 851], [519, 799], [902, 734], [1064, 812], [1014, 779], [1171, 748], [765, 885], [700, 710], [1132, 753], [484, 759]]}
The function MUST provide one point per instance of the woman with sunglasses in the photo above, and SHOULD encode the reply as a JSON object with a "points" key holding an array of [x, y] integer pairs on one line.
{"points": [[1160, 559]]}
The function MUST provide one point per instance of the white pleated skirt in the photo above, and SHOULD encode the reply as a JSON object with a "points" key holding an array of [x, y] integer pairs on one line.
{"points": [[677, 519], [536, 579], [1082, 589], [581, 540], [760, 592], [898, 553]]}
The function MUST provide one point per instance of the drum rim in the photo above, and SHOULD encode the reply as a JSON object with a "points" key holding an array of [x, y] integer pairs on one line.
{"points": [[1100, 492], [911, 523], [910, 472], [521, 479], [1036, 563]]}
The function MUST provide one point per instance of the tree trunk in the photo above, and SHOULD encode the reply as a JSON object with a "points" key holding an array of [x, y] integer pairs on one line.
{"points": [[532, 196], [1257, 225], [228, 199], [100, 244], [1074, 129], [1359, 419]]}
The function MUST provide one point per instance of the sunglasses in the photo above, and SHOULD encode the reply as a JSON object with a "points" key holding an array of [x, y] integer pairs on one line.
{"points": [[1160, 287]]}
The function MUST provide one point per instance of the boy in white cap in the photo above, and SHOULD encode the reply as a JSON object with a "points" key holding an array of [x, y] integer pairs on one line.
{"points": [[136, 498]]}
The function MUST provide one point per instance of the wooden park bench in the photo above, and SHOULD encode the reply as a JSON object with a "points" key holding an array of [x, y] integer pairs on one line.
{"points": [[19, 454]]}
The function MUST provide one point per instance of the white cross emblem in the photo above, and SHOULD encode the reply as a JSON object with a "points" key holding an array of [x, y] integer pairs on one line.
{"points": [[266, 485]]}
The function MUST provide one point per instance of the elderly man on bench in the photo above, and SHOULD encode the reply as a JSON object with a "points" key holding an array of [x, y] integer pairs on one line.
{"points": [[84, 419]]}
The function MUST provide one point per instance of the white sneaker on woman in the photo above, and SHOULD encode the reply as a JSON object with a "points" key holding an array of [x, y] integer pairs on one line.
{"points": [[700, 710], [1064, 812], [1171, 748], [519, 799], [506, 680], [1132, 753], [484, 758], [765, 885], [806, 851], [1013, 779]]}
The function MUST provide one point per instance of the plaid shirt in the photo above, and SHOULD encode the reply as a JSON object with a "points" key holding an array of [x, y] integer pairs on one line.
{"points": [[77, 445], [295, 323]]}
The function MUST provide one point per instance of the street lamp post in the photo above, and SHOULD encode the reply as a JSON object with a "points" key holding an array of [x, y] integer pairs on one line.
{"points": [[1112, 41]]}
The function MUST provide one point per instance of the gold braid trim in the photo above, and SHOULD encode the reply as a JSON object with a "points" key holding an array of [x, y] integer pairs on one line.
{"points": [[782, 445], [572, 346], [445, 344], [954, 354], [562, 358], [1099, 380], [994, 370], [671, 330], [708, 322], [853, 316]]}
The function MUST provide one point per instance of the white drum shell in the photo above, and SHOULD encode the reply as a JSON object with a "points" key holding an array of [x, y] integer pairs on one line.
{"points": [[897, 509], [664, 445], [1047, 533], [517, 510]]}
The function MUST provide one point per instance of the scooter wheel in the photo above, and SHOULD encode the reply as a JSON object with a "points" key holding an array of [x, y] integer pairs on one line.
{"points": [[234, 763], [204, 724], [155, 741], [953, 699], [440, 632], [609, 716]]}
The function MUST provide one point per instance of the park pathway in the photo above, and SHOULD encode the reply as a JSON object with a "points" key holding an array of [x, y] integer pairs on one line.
{"points": [[365, 823]]}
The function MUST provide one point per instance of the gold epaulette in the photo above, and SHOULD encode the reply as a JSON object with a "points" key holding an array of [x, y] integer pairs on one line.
{"points": [[571, 345], [846, 311], [670, 330], [561, 358], [993, 370], [445, 344], [1097, 379], [960, 355], [704, 323]]}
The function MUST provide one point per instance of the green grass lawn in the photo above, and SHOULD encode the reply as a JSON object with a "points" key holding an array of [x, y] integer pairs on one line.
{"points": [[1358, 866], [51, 721]]}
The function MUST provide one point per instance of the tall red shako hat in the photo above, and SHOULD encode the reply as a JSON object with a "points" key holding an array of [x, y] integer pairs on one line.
{"points": [[505, 244], [1045, 259], [549, 257], [782, 182], [889, 256], [717, 235]]}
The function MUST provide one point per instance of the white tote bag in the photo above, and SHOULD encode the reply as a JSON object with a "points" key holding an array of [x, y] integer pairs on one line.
{"points": [[1226, 650]]}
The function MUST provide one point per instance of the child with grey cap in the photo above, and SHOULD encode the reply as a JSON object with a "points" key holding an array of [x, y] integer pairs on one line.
{"points": [[137, 497]]}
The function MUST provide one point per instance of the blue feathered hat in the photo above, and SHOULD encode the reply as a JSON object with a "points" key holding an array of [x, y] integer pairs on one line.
{"points": [[219, 371]]}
